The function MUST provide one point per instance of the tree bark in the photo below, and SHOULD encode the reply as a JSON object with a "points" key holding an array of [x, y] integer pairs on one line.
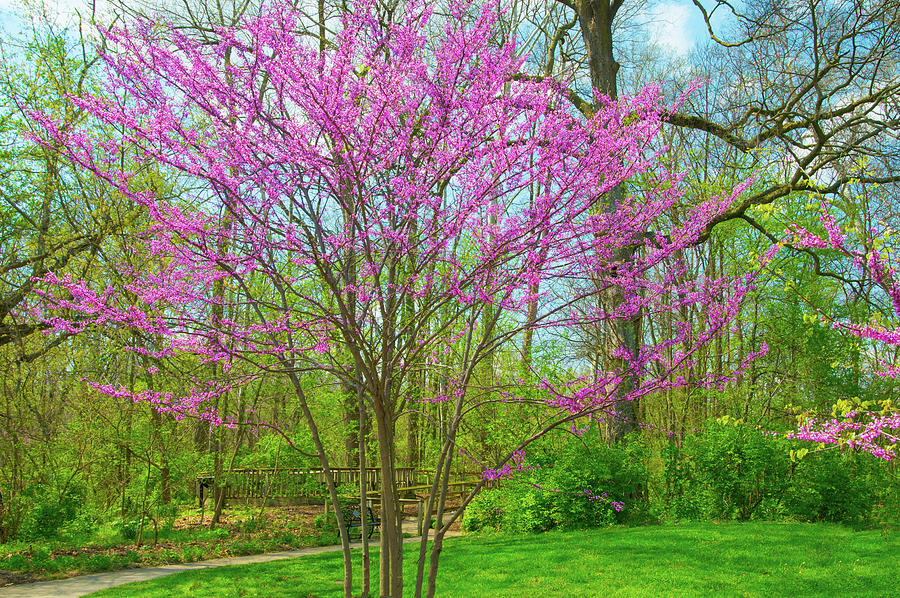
{"points": [[596, 19], [363, 488], [391, 557]]}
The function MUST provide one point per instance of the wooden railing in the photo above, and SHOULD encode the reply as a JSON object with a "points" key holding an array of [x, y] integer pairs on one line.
{"points": [[291, 483], [296, 482]]}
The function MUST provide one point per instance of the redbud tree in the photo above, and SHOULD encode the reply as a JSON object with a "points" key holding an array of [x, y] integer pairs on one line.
{"points": [[401, 198], [872, 428]]}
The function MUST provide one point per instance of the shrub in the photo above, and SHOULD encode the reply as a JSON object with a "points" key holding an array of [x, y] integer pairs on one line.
{"points": [[84, 523], [831, 486], [50, 509], [574, 484], [128, 528], [190, 554], [589, 477], [40, 558], [253, 524], [98, 562], [15, 562], [169, 556], [248, 547], [730, 471], [485, 512], [326, 523], [682, 497], [64, 562], [287, 538]]}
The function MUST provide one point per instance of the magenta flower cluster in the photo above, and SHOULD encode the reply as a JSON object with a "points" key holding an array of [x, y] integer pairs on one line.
{"points": [[875, 432], [325, 190]]}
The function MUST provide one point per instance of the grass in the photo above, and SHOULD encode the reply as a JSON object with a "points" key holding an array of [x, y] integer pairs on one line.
{"points": [[751, 559]]}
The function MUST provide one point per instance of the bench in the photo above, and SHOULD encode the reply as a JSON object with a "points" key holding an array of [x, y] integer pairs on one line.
{"points": [[353, 518]]}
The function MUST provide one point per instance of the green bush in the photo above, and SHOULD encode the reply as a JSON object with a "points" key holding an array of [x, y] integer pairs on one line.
{"points": [[40, 558], [218, 533], [49, 511], [64, 562], [831, 486], [734, 471], [248, 547], [84, 524], [575, 484], [287, 538], [253, 524], [730, 471], [327, 525], [682, 498], [128, 528], [169, 556], [485, 512], [98, 562], [15, 562], [190, 554], [529, 509], [589, 477]]}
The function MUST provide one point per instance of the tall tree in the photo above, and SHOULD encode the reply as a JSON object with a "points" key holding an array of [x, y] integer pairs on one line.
{"points": [[816, 94], [377, 207], [50, 215]]}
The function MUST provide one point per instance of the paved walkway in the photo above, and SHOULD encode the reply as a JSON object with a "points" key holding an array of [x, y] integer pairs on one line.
{"points": [[86, 584]]}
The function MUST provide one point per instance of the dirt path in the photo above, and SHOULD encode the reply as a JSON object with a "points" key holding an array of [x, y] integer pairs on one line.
{"points": [[87, 584]]}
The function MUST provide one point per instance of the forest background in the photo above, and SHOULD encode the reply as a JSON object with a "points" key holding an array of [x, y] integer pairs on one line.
{"points": [[799, 97]]}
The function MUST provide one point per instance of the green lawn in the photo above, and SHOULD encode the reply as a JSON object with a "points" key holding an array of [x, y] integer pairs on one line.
{"points": [[751, 559]]}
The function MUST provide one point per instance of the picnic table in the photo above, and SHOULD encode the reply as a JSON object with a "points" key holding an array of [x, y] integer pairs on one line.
{"points": [[421, 494], [416, 495]]}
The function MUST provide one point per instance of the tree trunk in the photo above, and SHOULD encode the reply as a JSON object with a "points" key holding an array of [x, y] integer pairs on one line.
{"points": [[352, 429], [329, 477], [596, 19], [363, 488], [528, 335], [391, 556]]}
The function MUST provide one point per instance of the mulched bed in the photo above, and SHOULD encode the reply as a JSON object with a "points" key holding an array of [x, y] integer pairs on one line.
{"points": [[295, 519], [298, 518], [9, 578]]}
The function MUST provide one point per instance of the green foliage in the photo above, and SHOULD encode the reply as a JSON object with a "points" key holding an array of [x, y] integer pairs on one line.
{"points": [[99, 562], [729, 471], [485, 512], [51, 510], [273, 450], [831, 486], [327, 525], [41, 560], [572, 485], [129, 529], [84, 523], [190, 554], [247, 547], [735, 471]]}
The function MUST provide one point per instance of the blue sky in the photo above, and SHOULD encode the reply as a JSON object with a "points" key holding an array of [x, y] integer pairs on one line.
{"points": [[62, 12], [675, 25]]}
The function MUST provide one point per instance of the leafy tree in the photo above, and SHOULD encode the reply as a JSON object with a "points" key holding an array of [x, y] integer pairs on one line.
{"points": [[870, 426], [800, 90], [395, 198]]}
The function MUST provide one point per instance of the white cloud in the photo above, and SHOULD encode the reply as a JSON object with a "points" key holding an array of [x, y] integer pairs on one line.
{"points": [[62, 13], [670, 27]]}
